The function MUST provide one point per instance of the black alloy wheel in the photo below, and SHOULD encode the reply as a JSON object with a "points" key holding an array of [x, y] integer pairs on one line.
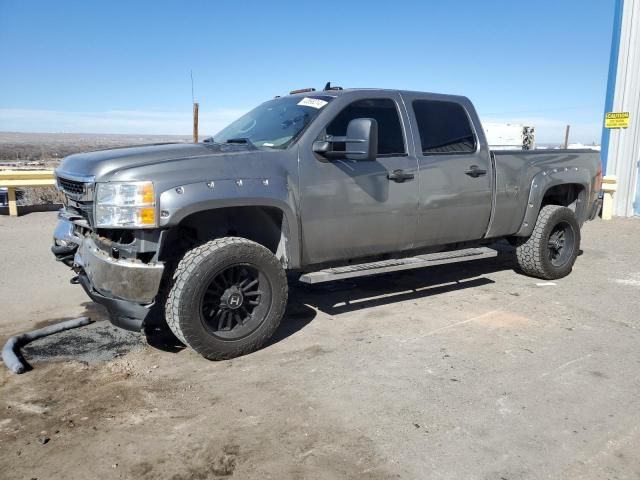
{"points": [[561, 244], [235, 302]]}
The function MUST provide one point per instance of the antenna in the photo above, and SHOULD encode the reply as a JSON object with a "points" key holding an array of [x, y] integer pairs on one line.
{"points": [[192, 95], [328, 86]]}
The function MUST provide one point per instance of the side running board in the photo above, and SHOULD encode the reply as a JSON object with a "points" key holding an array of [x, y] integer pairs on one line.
{"points": [[386, 266]]}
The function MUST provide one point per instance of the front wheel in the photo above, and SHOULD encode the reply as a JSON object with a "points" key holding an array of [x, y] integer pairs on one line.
{"points": [[228, 297], [552, 248]]}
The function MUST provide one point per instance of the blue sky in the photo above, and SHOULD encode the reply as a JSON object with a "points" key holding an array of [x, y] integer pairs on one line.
{"points": [[123, 66]]}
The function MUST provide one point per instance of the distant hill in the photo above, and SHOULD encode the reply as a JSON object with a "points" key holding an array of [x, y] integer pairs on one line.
{"points": [[50, 148]]}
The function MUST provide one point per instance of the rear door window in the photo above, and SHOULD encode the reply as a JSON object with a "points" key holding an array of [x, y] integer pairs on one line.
{"points": [[444, 127], [385, 112]]}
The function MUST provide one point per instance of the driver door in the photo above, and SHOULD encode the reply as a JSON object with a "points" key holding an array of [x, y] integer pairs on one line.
{"points": [[351, 208]]}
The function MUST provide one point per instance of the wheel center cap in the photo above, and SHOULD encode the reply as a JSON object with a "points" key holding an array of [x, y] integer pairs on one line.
{"points": [[232, 298]]}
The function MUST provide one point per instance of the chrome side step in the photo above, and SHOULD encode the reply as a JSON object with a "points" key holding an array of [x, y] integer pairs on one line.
{"points": [[386, 266]]}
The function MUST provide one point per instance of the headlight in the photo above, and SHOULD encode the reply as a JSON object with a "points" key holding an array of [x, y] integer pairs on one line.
{"points": [[125, 205]]}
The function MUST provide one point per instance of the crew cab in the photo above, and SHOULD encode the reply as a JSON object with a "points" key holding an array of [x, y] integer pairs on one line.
{"points": [[314, 185]]}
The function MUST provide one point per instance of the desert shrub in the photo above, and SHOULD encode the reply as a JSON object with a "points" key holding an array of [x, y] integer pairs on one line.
{"points": [[40, 196]]}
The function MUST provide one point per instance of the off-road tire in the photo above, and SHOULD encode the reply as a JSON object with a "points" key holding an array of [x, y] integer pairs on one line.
{"points": [[533, 252], [182, 308]]}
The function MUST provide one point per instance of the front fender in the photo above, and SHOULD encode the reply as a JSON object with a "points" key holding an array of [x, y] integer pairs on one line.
{"points": [[178, 203], [547, 179]]}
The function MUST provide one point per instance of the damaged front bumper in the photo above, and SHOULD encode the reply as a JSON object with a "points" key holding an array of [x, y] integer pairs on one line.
{"points": [[124, 279], [126, 287]]}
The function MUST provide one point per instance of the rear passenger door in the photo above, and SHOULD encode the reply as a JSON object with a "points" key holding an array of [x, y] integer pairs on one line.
{"points": [[455, 171]]}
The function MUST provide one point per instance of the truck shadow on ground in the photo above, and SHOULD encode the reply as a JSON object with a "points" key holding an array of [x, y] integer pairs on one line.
{"points": [[333, 298], [349, 295], [343, 296]]}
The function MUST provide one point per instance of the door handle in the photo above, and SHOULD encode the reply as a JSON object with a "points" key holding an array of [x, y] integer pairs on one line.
{"points": [[475, 172], [400, 176]]}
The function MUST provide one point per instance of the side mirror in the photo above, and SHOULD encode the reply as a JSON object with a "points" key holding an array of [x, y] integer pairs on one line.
{"points": [[363, 132]]}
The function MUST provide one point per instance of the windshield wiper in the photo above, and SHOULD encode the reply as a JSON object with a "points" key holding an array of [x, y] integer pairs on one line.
{"points": [[244, 140]]}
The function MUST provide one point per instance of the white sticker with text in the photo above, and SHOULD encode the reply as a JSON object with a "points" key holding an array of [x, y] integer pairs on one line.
{"points": [[312, 102]]}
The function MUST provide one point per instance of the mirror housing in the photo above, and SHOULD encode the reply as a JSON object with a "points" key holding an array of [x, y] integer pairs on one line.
{"points": [[363, 132]]}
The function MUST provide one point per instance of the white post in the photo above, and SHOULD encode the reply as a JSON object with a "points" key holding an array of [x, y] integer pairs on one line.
{"points": [[609, 186]]}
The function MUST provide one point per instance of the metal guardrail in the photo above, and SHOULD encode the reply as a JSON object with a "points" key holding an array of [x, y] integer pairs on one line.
{"points": [[23, 178]]}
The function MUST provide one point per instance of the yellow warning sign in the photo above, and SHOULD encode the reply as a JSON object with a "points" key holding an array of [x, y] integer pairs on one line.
{"points": [[616, 120]]}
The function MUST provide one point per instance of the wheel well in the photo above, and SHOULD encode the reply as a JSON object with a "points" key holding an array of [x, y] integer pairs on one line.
{"points": [[566, 195], [261, 224]]}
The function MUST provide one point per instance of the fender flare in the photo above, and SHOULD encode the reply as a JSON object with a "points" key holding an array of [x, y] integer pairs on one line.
{"points": [[178, 203], [540, 185]]}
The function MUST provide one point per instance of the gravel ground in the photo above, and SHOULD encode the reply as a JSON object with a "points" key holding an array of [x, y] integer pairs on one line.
{"points": [[463, 372]]}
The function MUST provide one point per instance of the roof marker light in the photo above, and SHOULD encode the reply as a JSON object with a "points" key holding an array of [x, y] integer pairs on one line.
{"points": [[302, 90]]}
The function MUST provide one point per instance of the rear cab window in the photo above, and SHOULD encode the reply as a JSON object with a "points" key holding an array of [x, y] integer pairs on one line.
{"points": [[444, 127], [385, 112]]}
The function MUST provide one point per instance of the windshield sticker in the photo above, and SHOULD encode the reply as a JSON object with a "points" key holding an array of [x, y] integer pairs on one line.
{"points": [[312, 102]]}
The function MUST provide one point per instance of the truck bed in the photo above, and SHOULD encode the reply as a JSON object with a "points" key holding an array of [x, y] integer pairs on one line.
{"points": [[514, 183]]}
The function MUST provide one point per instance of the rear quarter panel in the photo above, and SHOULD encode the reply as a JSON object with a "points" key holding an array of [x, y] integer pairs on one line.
{"points": [[523, 178]]}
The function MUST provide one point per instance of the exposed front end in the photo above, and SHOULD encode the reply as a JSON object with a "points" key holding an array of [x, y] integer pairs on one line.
{"points": [[117, 267]]}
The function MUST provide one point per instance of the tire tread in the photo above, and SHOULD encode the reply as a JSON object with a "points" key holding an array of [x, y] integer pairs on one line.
{"points": [[530, 251], [174, 305]]}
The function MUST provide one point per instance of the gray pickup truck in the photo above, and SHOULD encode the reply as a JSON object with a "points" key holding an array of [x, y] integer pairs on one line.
{"points": [[313, 186]]}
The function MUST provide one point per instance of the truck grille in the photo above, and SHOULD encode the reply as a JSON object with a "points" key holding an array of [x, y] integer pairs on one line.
{"points": [[79, 196], [71, 187]]}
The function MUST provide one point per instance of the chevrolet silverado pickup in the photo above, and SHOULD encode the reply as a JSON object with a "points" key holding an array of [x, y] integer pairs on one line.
{"points": [[314, 186]]}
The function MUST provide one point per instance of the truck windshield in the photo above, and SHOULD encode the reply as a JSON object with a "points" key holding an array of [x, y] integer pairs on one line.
{"points": [[274, 124]]}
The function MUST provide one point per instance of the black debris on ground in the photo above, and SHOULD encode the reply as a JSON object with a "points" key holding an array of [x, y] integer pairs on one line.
{"points": [[98, 342]]}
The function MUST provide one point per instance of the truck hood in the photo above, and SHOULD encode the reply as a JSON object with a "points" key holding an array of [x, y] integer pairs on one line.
{"points": [[105, 164]]}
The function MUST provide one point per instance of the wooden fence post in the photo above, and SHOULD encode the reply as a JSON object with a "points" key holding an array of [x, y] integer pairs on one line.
{"points": [[13, 206]]}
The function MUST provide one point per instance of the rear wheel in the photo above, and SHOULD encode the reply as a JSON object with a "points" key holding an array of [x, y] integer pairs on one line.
{"points": [[552, 248], [227, 298]]}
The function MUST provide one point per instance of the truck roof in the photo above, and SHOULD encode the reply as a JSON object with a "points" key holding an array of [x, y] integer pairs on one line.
{"points": [[337, 93]]}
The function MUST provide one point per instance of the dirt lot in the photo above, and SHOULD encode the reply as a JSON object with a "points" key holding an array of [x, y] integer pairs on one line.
{"points": [[466, 372]]}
